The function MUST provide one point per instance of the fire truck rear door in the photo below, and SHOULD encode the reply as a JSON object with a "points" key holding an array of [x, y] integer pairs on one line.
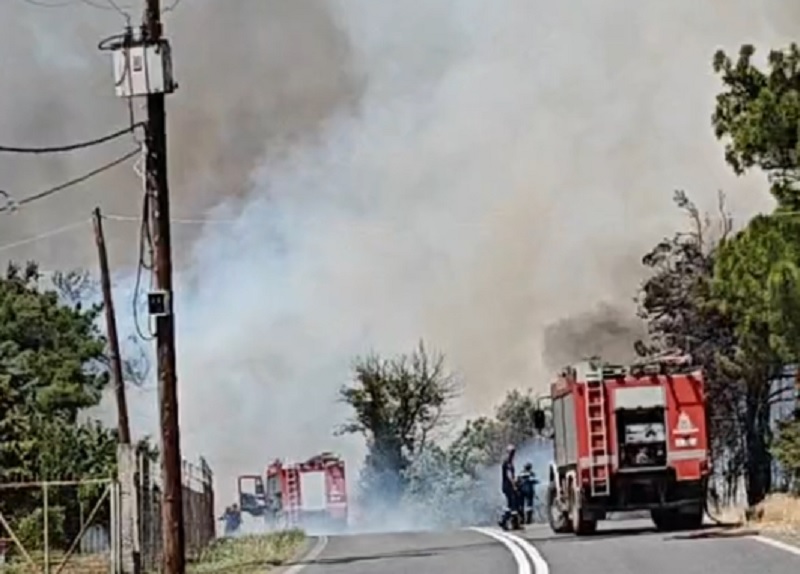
{"points": [[312, 487]]}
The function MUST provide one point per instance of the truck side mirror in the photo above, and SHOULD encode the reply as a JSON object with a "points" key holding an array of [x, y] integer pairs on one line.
{"points": [[539, 420]]}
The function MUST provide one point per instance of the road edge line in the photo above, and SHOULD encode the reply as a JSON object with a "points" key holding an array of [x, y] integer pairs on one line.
{"points": [[523, 565], [316, 550], [791, 549], [540, 565]]}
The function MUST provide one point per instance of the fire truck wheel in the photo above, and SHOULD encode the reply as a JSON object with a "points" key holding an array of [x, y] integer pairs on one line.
{"points": [[581, 525], [665, 520], [672, 520], [691, 519], [558, 519]]}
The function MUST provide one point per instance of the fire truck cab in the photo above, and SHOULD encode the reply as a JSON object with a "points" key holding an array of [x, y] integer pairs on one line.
{"points": [[627, 439], [310, 494]]}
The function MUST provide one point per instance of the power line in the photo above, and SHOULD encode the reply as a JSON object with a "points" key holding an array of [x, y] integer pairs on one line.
{"points": [[145, 247], [110, 5], [171, 7], [114, 6], [74, 146], [47, 4], [172, 220], [48, 192], [45, 235], [63, 229]]}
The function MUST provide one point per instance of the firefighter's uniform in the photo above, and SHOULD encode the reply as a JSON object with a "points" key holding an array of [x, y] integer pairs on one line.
{"points": [[232, 519], [526, 486], [510, 492]]}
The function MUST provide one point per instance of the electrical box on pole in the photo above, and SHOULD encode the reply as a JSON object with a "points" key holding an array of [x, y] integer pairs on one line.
{"points": [[142, 68], [159, 303]]}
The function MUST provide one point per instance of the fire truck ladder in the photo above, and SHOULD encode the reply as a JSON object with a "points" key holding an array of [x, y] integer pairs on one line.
{"points": [[293, 492], [599, 465]]}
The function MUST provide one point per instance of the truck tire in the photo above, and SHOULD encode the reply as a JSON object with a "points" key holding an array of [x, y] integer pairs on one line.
{"points": [[691, 519], [671, 520], [581, 525], [558, 519], [664, 519]]}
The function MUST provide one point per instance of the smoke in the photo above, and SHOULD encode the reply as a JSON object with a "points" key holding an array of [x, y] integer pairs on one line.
{"points": [[466, 171], [605, 331], [443, 495], [256, 78]]}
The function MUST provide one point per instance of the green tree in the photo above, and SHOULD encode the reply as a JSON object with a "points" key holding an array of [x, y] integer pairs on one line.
{"points": [[51, 368], [78, 289], [482, 442], [677, 304], [397, 404], [757, 283], [787, 450], [758, 113]]}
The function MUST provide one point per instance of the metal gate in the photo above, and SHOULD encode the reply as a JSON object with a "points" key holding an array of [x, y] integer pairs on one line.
{"points": [[60, 527]]}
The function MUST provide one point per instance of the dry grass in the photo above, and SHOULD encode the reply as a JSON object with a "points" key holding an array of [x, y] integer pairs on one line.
{"points": [[76, 564], [780, 511], [732, 515], [248, 554]]}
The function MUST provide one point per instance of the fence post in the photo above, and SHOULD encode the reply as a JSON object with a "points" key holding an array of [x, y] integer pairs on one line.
{"points": [[46, 505], [128, 510], [149, 520], [210, 517]]}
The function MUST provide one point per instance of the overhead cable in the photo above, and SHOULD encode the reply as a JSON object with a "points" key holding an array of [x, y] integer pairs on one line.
{"points": [[45, 235], [145, 263], [72, 147], [48, 4], [13, 204], [113, 217]]}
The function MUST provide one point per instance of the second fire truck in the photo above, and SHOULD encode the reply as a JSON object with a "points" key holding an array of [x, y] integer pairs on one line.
{"points": [[310, 494]]}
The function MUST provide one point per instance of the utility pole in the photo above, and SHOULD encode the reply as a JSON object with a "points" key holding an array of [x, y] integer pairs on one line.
{"points": [[115, 357], [174, 556]]}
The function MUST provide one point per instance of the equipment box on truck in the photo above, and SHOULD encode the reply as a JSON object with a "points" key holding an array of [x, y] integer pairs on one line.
{"points": [[627, 439]]}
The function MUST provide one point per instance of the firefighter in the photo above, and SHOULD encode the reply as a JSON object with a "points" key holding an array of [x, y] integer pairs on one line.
{"points": [[509, 487], [233, 519], [526, 486]]}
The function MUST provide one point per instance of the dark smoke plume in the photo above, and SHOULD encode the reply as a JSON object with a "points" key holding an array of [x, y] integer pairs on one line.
{"points": [[606, 331]]}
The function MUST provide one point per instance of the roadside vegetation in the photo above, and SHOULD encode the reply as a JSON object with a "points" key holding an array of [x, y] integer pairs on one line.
{"points": [[249, 554]]}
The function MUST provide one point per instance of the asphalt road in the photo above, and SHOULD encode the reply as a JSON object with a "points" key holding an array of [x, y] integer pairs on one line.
{"points": [[461, 552], [631, 547]]}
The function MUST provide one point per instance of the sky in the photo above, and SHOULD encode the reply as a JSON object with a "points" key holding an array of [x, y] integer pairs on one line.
{"points": [[469, 172]]}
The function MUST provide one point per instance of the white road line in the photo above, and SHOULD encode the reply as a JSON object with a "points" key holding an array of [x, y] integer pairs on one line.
{"points": [[322, 542], [539, 564], [523, 566], [777, 544]]}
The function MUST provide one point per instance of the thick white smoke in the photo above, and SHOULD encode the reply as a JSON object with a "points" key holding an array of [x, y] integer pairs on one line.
{"points": [[506, 165]]}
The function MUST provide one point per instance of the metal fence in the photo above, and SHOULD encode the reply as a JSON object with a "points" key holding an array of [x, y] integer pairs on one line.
{"points": [[58, 527], [198, 510]]}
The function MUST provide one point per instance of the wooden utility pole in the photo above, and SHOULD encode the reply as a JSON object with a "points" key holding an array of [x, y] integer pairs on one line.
{"points": [[115, 358], [174, 556]]}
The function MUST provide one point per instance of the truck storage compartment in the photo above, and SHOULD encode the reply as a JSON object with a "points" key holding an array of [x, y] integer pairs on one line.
{"points": [[642, 438]]}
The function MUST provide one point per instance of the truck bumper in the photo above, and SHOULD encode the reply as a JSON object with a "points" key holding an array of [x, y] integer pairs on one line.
{"points": [[651, 491]]}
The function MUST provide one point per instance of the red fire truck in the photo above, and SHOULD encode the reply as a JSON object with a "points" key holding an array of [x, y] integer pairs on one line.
{"points": [[310, 494], [627, 439]]}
